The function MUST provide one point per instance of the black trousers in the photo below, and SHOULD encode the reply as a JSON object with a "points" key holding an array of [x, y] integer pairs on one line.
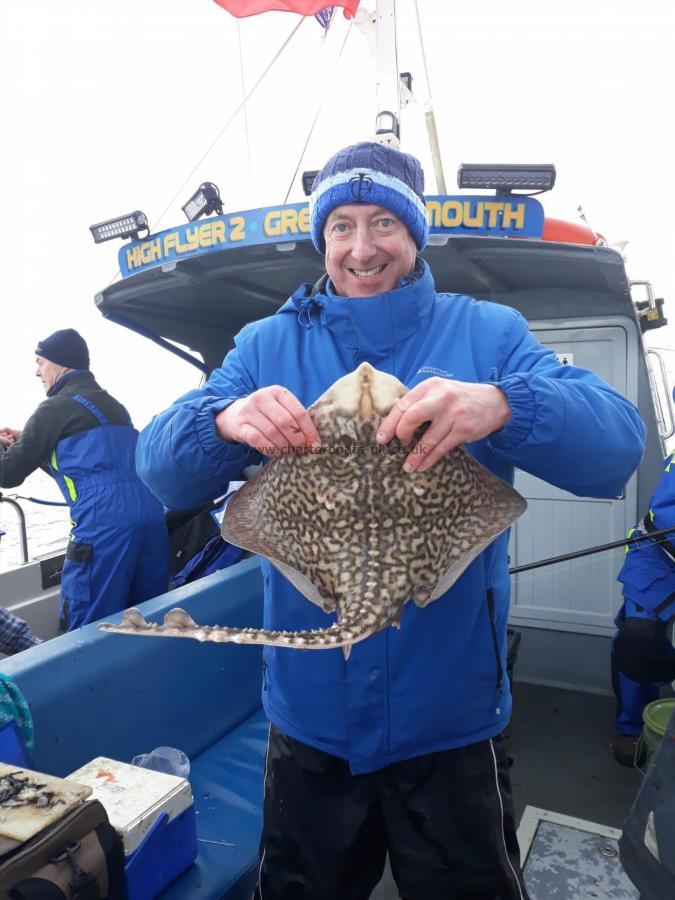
{"points": [[446, 820]]}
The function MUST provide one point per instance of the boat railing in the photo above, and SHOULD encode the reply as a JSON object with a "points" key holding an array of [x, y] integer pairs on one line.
{"points": [[23, 534]]}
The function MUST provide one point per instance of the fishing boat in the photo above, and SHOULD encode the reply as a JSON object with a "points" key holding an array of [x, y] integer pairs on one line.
{"points": [[190, 289]]}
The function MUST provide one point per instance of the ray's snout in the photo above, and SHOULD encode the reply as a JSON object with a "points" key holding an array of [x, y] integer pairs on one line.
{"points": [[366, 393]]}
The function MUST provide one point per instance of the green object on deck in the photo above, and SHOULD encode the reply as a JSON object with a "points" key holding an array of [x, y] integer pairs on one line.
{"points": [[656, 716]]}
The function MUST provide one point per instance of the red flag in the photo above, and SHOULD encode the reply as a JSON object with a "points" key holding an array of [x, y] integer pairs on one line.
{"points": [[243, 8]]}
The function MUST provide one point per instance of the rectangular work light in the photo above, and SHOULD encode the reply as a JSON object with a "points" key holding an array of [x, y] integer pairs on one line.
{"points": [[506, 178], [203, 202], [122, 227]]}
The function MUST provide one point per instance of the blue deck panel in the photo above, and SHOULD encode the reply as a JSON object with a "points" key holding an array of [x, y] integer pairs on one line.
{"points": [[94, 694], [227, 783]]}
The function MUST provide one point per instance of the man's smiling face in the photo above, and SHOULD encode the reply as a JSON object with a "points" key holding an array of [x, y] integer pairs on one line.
{"points": [[368, 250]]}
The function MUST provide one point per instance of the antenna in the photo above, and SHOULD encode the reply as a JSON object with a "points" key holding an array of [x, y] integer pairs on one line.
{"points": [[429, 117]]}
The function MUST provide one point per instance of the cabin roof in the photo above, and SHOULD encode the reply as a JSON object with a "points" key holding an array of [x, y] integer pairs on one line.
{"points": [[202, 302]]}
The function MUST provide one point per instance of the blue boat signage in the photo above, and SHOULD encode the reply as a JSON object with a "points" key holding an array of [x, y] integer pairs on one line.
{"points": [[500, 216], [507, 216]]}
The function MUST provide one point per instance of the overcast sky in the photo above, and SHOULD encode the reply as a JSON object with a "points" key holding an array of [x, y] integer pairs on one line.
{"points": [[107, 106]]}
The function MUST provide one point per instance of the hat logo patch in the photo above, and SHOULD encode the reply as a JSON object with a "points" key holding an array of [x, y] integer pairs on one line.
{"points": [[361, 187]]}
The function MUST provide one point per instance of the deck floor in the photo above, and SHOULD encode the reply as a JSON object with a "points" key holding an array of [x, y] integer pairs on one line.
{"points": [[561, 745]]}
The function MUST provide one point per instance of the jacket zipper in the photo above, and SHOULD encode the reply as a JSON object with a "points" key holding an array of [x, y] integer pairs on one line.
{"points": [[495, 644], [264, 676]]}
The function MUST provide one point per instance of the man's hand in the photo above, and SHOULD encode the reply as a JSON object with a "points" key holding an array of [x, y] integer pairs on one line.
{"points": [[270, 420], [9, 435], [458, 412]]}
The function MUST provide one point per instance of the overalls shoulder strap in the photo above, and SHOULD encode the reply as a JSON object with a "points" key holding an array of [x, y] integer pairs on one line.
{"points": [[95, 411]]}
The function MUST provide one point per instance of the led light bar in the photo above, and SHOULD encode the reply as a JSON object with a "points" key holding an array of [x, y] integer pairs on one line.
{"points": [[506, 178], [122, 227], [203, 202]]}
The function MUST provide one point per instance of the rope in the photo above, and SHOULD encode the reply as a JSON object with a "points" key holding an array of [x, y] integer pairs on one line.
{"points": [[318, 112], [424, 56], [222, 131], [41, 502], [243, 93], [229, 121]]}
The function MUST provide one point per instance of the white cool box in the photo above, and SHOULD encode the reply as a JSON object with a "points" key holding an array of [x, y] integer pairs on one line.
{"points": [[154, 815]]}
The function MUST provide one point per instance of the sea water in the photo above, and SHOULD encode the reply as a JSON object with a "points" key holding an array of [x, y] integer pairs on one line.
{"points": [[47, 526]]}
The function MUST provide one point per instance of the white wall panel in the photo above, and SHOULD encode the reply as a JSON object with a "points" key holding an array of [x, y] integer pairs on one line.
{"points": [[579, 595]]}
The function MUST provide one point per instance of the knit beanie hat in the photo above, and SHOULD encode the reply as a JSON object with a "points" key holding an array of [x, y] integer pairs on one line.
{"points": [[375, 174], [65, 348]]}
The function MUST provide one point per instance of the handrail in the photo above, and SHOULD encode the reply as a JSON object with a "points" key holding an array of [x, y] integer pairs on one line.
{"points": [[651, 299], [23, 535], [38, 500], [665, 430]]}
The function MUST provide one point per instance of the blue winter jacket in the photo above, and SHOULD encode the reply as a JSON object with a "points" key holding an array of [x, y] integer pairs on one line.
{"points": [[648, 572], [439, 681]]}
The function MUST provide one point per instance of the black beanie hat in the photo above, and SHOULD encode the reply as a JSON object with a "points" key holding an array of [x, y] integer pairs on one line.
{"points": [[65, 348]]}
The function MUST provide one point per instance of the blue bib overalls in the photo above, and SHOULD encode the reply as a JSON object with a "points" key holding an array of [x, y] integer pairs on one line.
{"points": [[648, 578], [118, 553]]}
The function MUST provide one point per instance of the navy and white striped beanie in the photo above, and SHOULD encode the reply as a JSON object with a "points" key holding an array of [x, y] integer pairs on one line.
{"points": [[375, 174]]}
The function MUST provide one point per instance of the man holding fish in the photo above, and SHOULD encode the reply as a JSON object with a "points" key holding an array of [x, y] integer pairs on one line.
{"points": [[396, 749]]}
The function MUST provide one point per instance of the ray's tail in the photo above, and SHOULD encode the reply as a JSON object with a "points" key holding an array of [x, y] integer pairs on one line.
{"points": [[177, 623]]}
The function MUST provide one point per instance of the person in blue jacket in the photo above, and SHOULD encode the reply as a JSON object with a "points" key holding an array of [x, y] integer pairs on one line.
{"points": [[643, 656], [396, 749], [118, 552]]}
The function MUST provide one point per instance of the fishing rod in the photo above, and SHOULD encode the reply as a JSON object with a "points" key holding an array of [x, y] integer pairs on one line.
{"points": [[516, 570]]}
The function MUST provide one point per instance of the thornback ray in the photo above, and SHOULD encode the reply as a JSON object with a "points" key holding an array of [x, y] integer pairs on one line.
{"points": [[352, 531]]}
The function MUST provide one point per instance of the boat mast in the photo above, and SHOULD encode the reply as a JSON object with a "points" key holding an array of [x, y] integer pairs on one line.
{"points": [[387, 122], [387, 129]]}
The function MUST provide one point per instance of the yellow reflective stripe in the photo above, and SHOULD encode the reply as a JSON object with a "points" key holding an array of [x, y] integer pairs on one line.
{"points": [[627, 548], [69, 481], [671, 459], [71, 487]]}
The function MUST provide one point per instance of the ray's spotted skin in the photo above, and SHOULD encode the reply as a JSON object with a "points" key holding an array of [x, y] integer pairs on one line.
{"points": [[352, 531]]}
